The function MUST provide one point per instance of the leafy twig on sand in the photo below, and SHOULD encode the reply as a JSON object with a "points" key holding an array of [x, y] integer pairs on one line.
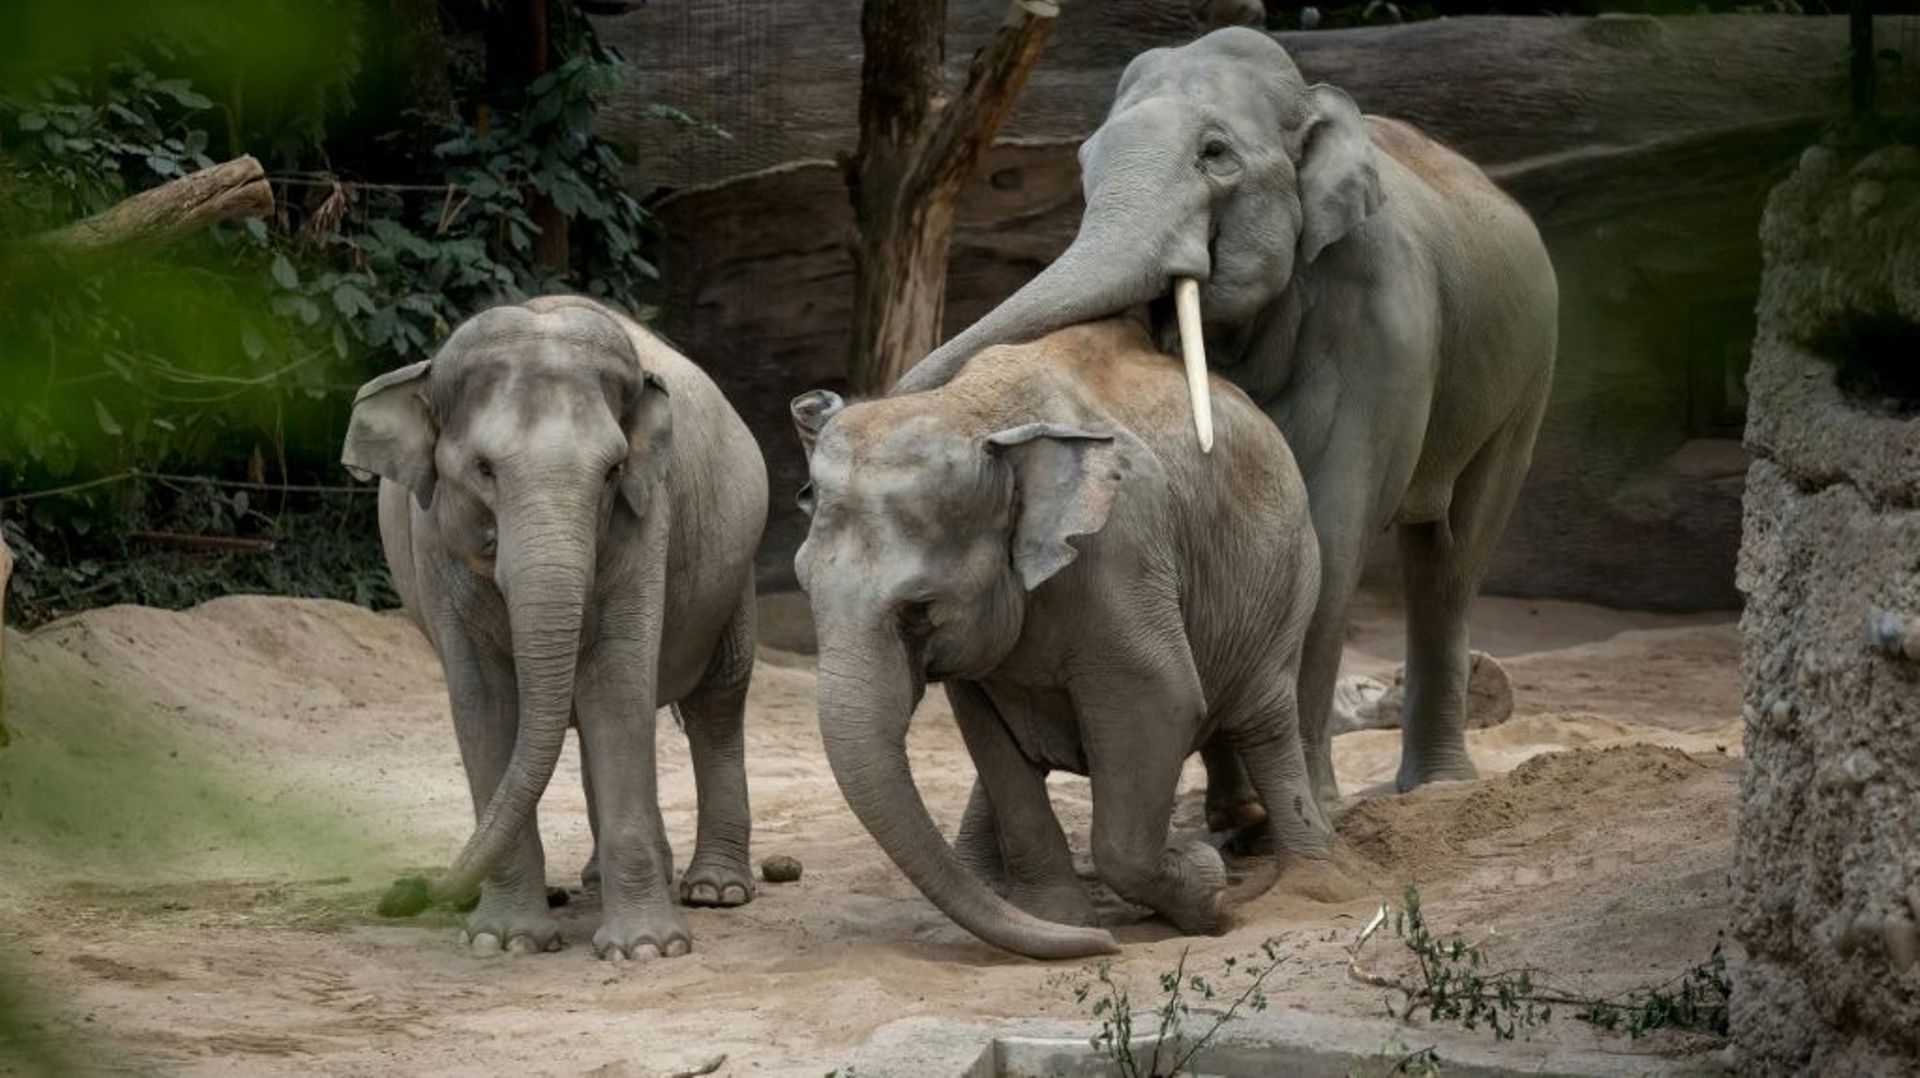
{"points": [[1113, 1009], [1453, 986]]}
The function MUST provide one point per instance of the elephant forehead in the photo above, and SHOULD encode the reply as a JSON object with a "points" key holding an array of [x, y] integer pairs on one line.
{"points": [[915, 474], [1225, 72]]}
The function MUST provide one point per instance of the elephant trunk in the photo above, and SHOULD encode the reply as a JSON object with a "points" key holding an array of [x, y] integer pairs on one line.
{"points": [[544, 570], [867, 695], [1106, 270]]}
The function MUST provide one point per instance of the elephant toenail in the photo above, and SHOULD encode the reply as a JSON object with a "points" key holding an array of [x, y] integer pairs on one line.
{"points": [[678, 947], [736, 894], [645, 952], [486, 944], [522, 945], [703, 892]]}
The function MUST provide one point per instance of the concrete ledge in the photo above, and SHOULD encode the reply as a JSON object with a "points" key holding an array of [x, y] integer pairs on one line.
{"points": [[1294, 1043]]}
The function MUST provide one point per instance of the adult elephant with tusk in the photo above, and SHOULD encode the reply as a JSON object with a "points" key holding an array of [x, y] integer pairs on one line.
{"points": [[570, 510], [1376, 295], [1043, 536]]}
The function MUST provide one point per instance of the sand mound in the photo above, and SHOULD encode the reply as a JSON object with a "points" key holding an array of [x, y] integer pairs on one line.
{"points": [[1431, 831]]}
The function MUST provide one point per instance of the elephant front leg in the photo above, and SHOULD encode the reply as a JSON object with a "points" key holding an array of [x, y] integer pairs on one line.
{"points": [[1139, 729], [615, 702], [1010, 834], [715, 716], [512, 913]]}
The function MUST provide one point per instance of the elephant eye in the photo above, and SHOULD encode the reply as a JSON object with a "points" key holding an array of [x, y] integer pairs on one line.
{"points": [[484, 467], [1214, 149], [614, 473], [916, 618]]}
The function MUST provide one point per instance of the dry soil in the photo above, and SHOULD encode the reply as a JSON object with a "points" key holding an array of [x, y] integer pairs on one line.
{"points": [[200, 807]]}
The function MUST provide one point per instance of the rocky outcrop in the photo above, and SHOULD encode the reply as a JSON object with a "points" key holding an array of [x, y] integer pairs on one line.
{"points": [[1643, 147], [1827, 875]]}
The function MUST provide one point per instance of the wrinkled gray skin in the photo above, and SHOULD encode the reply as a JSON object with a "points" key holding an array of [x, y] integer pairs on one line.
{"points": [[1043, 535], [1379, 298], [570, 510]]}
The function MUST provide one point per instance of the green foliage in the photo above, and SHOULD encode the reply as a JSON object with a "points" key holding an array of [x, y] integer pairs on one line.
{"points": [[1454, 985], [323, 546], [1696, 1000], [235, 353], [1182, 994], [1455, 988]]}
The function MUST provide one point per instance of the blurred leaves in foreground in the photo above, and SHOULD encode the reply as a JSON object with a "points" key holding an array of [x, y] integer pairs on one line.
{"points": [[424, 165]]}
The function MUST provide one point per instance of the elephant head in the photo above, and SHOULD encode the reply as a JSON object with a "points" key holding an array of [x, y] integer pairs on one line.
{"points": [[925, 541], [522, 437], [1217, 175]]}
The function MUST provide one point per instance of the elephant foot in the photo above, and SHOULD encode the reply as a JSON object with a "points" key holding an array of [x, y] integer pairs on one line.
{"points": [[1061, 903], [715, 881], [1415, 772], [496, 927], [642, 936], [1236, 815], [1197, 889]]}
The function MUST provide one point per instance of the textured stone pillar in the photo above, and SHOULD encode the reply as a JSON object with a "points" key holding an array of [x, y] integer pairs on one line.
{"points": [[1827, 874]]}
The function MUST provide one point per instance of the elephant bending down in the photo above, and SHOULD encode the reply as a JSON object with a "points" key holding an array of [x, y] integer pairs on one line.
{"points": [[578, 546], [940, 549], [1380, 298]]}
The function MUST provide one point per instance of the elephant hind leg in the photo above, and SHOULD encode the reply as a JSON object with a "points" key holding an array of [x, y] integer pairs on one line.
{"points": [[1442, 563], [1270, 747], [1232, 803], [714, 714]]}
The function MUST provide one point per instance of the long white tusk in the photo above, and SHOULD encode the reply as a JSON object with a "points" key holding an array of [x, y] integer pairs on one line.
{"points": [[1193, 349]]}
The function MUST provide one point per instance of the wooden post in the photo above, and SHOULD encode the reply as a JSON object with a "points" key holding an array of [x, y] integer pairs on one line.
{"points": [[918, 147], [1863, 115], [550, 247]]}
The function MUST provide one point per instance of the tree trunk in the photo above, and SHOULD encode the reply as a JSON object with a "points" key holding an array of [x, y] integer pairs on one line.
{"points": [[550, 247], [174, 209], [421, 45], [918, 147]]}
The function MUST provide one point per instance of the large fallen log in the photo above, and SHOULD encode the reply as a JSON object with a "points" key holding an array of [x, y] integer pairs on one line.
{"points": [[177, 208]]}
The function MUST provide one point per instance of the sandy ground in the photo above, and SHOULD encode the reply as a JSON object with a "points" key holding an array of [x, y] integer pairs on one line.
{"points": [[199, 808]]}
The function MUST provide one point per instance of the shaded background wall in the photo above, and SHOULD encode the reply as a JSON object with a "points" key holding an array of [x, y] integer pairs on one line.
{"points": [[1643, 147]]}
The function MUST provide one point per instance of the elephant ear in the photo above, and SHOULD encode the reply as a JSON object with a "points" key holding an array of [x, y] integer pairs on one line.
{"points": [[810, 411], [649, 423], [1065, 482], [392, 432], [1339, 173]]}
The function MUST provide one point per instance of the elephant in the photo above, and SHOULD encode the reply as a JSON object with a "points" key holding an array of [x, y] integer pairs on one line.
{"points": [[1381, 299], [1043, 536], [570, 510]]}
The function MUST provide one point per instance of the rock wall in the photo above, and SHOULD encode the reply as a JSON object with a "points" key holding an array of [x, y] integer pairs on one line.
{"points": [[1827, 876], [1643, 147]]}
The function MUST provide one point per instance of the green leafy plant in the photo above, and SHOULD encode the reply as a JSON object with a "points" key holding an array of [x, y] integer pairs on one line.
{"points": [[1453, 983], [1109, 1000], [1695, 1000]]}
